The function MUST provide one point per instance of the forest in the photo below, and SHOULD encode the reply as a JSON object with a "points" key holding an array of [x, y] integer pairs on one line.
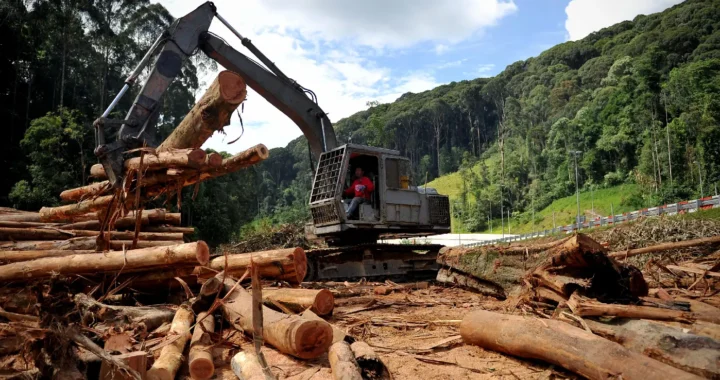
{"points": [[639, 101]]}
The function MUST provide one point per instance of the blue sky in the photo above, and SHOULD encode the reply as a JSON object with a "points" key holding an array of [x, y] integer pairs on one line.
{"points": [[350, 52]]}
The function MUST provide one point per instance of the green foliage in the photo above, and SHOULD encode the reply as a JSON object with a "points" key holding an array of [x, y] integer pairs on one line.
{"points": [[58, 146]]}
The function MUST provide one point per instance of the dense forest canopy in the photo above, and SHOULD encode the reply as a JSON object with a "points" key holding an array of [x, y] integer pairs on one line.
{"points": [[640, 100]]}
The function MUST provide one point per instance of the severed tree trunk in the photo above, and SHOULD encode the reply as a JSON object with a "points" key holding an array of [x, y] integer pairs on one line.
{"points": [[67, 212], [174, 158], [79, 244], [585, 307], [15, 256], [171, 356], [124, 317], [319, 301], [342, 362], [200, 357], [455, 277], [288, 264], [561, 344], [665, 247], [246, 366], [146, 258], [210, 114], [670, 345], [370, 364], [14, 234], [290, 334]]}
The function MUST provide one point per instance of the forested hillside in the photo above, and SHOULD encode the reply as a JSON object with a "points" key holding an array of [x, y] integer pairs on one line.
{"points": [[640, 100]]}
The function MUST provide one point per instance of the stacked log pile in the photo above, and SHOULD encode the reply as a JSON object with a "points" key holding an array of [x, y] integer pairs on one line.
{"points": [[72, 276], [593, 314]]}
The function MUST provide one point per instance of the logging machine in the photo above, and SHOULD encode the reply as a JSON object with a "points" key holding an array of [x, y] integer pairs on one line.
{"points": [[395, 207]]}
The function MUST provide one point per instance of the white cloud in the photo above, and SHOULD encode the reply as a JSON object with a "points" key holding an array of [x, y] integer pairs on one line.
{"points": [[332, 47], [587, 16], [447, 65], [484, 70], [441, 49]]}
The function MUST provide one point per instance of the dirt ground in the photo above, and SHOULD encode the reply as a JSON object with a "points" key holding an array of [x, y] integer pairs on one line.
{"points": [[415, 333]]}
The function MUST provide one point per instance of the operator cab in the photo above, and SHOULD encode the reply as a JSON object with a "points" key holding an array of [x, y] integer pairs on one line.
{"points": [[394, 206]]}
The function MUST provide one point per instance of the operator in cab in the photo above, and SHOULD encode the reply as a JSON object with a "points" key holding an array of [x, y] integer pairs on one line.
{"points": [[360, 190]]}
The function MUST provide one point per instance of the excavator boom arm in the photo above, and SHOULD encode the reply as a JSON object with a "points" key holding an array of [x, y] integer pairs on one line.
{"points": [[185, 35]]}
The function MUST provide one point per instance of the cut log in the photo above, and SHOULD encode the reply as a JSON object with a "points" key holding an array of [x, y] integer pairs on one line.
{"points": [[87, 191], [171, 356], [342, 362], [146, 258], [666, 247], [14, 234], [15, 256], [320, 301], [12, 224], [246, 366], [165, 277], [338, 333], [455, 277], [290, 334], [210, 114], [213, 160], [67, 212], [200, 357], [182, 230], [561, 344], [183, 158], [94, 225], [288, 264], [688, 352], [79, 244], [370, 364], [136, 360], [32, 217], [122, 316], [584, 307], [157, 184]]}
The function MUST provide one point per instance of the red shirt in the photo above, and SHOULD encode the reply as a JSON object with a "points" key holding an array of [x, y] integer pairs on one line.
{"points": [[362, 181]]}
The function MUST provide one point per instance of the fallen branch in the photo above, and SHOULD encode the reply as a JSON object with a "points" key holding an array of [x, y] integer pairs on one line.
{"points": [[665, 247]]}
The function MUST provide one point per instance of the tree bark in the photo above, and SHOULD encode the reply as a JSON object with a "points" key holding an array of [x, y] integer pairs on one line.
{"points": [[672, 346], [290, 334], [246, 366], [200, 357], [211, 113], [288, 264], [370, 364], [561, 344], [14, 234], [455, 277], [584, 307], [125, 317], [78, 244], [665, 247], [182, 158], [87, 191], [15, 256], [342, 362], [320, 301], [147, 258], [171, 356]]}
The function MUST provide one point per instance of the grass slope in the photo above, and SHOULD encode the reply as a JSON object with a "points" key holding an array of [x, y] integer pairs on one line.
{"points": [[565, 209]]}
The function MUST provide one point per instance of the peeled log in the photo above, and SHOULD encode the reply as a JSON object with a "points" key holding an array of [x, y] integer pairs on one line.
{"points": [[246, 366], [78, 244], [52, 234], [200, 357], [319, 301], [183, 158], [670, 345], [54, 214], [146, 258], [561, 344], [342, 362], [94, 225], [92, 189], [211, 113], [290, 334], [171, 356], [15, 256], [157, 183], [288, 264]]}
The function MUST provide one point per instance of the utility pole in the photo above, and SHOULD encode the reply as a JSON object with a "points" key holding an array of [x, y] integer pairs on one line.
{"points": [[554, 220], [509, 222], [702, 193], [490, 216], [592, 200], [612, 214], [575, 154], [667, 135]]}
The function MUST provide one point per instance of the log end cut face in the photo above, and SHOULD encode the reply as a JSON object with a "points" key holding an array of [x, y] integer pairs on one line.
{"points": [[311, 338], [300, 261], [324, 303], [202, 252], [202, 368], [232, 87]]}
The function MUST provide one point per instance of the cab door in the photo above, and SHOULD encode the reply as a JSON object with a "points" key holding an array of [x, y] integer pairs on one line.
{"points": [[402, 204]]}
